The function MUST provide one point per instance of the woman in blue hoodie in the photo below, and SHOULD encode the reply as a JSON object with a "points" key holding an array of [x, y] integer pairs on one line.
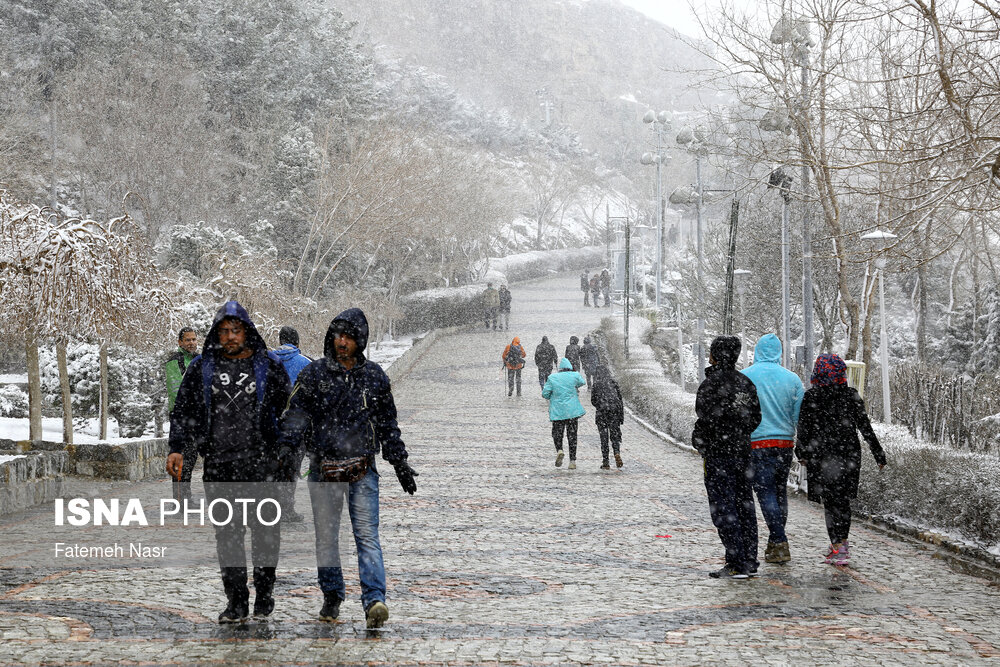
{"points": [[780, 394], [565, 408]]}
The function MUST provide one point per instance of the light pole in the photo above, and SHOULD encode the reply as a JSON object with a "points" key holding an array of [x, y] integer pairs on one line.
{"points": [[694, 140], [789, 30], [677, 279], [742, 276], [882, 240], [783, 182], [659, 122]]}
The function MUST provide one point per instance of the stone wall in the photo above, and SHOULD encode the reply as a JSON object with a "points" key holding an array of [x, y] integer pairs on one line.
{"points": [[34, 479]]}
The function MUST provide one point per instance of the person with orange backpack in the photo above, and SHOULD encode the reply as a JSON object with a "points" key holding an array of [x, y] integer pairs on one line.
{"points": [[513, 358]]}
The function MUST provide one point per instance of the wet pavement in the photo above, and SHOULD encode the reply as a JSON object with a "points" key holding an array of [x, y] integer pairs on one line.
{"points": [[502, 558]]}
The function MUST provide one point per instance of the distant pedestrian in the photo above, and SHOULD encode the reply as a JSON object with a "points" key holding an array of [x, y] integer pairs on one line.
{"points": [[513, 358], [728, 412], [831, 416], [573, 353], [585, 287], [588, 359], [177, 363], [173, 371], [565, 409], [291, 358], [491, 304], [293, 361], [595, 288], [504, 309], [606, 397], [606, 287], [780, 394], [546, 359]]}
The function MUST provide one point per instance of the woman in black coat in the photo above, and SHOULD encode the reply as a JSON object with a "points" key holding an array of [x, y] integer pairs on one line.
{"points": [[831, 416], [607, 398], [573, 352]]}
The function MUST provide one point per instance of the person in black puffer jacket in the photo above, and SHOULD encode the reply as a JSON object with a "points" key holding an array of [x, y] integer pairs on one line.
{"points": [[728, 412], [573, 353], [607, 398], [589, 359], [546, 359], [832, 414], [344, 404]]}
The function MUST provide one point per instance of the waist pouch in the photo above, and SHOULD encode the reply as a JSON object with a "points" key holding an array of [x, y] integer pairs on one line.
{"points": [[344, 470]]}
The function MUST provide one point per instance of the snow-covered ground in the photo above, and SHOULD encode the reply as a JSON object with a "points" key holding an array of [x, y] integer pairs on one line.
{"points": [[6, 458], [52, 430], [390, 350], [13, 378]]}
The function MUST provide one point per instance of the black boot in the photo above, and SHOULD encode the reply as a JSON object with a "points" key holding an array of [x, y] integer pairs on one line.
{"points": [[234, 580], [263, 582], [331, 606]]}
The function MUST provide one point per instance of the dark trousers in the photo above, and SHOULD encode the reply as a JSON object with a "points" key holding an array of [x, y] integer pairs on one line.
{"points": [[513, 376], [490, 317], [543, 376], [569, 426], [609, 429], [730, 500], [230, 481], [586, 298], [837, 508], [588, 373], [607, 297]]}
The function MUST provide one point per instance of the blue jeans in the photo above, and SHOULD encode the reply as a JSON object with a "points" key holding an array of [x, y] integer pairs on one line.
{"points": [[362, 505], [770, 483]]}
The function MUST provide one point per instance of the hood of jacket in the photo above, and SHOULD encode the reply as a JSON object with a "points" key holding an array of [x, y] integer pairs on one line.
{"points": [[287, 351], [573, 340], [767, 350], [565, 364], [516, 341], [357, 328], [725, 351], [232, 309]]}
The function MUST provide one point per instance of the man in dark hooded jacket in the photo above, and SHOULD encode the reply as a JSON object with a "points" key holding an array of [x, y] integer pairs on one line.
{"points": [[728, 412], [228, 407], [345, 403], [589, 358], [546, 359]]}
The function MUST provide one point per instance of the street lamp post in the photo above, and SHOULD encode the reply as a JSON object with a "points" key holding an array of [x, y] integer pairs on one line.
{"points": [[676, 280], [795, 32], [741, 276], [783, 182], [659, 122], [881, 240], [694, 140]]}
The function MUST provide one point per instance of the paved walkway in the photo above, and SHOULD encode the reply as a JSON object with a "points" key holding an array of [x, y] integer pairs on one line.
{"points": [[503, 558]]}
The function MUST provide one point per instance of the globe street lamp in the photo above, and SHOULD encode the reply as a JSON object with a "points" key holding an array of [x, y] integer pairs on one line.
{"points": [[742, 276], [676, 278], [659, 122], [881, 240]]}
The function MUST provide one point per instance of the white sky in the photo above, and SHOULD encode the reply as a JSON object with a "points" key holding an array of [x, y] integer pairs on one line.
{"points": [[678, 14]]}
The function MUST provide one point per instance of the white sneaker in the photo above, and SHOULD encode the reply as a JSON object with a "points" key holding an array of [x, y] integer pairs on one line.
{"points": [[572, 464]]}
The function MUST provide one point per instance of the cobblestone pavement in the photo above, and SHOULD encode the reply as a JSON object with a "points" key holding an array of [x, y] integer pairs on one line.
{"points": [[503, 558]]}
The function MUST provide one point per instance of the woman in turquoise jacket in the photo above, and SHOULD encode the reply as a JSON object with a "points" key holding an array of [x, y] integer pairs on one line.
{"points": [[564, 408]]}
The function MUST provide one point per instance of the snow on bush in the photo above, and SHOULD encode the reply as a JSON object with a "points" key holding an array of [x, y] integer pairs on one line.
{"points": [[933, 486], [450, 306], [13, 402]]}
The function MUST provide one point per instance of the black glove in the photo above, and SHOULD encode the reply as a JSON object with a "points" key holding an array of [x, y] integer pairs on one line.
{"points": [[405, 475]]}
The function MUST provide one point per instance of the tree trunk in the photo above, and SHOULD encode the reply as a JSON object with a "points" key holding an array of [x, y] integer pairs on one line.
{"points": [[104, 393], [34, 390], [67, 400], [922, 314]]}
